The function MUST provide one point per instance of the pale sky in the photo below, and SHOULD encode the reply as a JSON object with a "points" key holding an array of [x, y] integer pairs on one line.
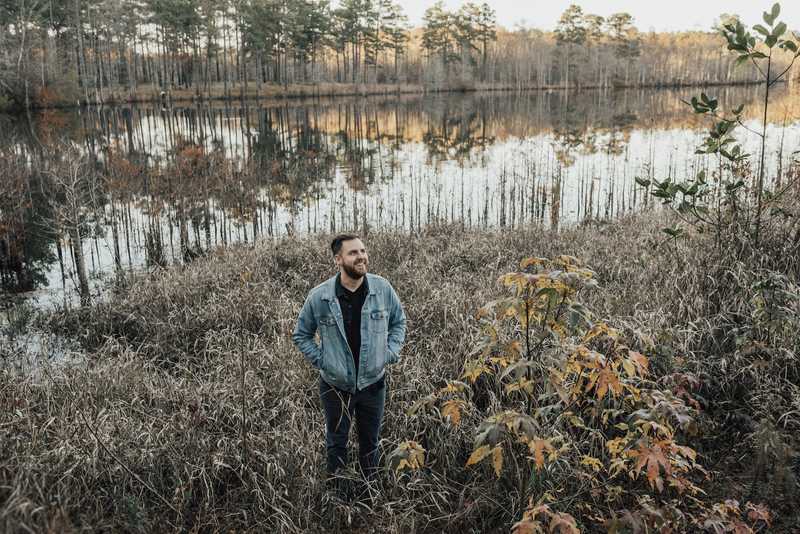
{"points": [[660, 15]]}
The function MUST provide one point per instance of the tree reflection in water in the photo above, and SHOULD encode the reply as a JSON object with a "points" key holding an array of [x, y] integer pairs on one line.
{"points": [[174, 182]]}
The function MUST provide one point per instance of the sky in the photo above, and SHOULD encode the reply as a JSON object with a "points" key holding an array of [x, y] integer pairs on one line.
{"points": [[658, 15]]}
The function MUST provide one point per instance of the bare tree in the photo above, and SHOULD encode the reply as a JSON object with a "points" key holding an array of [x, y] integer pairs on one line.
{"points": [[74, 186]]}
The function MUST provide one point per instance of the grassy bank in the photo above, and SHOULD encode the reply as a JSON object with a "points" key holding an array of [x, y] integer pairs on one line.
{"points": [[195, 412], [272, 91]]}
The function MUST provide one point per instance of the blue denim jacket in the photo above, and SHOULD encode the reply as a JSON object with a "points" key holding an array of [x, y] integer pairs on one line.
{"points": [[383, 329]]}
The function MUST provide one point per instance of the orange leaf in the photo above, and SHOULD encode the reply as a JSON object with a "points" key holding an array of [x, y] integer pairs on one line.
{"points": [[538, 447], [497, 460], [653, 458], [452, 409], [478, 454], [563, 524]]}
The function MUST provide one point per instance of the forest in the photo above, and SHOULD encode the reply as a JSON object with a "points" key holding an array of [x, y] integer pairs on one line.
{"points": [[102, 51]]}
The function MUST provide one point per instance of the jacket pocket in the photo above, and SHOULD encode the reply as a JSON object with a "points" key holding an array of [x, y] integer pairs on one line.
{"points": [[378, 321], [327, 329]]}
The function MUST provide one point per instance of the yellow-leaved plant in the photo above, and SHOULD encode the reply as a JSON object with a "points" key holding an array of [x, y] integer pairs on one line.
{"points": [[570, 398]]}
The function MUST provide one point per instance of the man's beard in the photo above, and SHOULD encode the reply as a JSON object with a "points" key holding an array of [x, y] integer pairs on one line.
{"points": [[354, 273]]}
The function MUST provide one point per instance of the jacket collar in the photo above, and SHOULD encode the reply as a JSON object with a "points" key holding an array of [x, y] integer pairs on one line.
{"points": [[341, 290], [329, 287]]}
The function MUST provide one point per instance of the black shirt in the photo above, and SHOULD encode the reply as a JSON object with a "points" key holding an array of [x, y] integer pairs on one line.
{"points": [[351, 303]]}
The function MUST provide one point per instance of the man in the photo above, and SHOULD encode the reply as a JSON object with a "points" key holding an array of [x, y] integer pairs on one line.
{"points": [[361, 325]]}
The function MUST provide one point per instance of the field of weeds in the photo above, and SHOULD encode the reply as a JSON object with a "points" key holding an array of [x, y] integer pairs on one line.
{"points": [[194, 412]]}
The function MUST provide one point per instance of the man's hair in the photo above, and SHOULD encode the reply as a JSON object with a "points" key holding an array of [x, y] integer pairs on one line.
{"points": [[336, 244]]}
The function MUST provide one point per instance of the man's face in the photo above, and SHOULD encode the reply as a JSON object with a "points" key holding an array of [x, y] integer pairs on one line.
{"points": [[353, 258]]}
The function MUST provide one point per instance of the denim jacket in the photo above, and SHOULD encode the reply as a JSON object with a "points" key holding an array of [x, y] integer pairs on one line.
{"points": [[383, 329]]}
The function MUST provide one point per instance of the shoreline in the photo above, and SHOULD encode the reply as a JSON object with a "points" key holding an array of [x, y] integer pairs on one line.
{"points": [[277, 92]]}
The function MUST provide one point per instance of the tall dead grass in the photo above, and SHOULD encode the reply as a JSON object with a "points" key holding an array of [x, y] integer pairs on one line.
{"points": [[168, 427]]}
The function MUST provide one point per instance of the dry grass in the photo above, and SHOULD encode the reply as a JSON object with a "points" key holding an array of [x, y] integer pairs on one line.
{"points": [[148, 436]]}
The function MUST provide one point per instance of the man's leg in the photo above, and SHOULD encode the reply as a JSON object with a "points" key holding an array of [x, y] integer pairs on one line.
{"points": [[336, 405], [368, 411]]}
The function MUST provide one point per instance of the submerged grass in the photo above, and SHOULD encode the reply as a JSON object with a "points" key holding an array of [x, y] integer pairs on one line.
{"points": [[195, 412]]}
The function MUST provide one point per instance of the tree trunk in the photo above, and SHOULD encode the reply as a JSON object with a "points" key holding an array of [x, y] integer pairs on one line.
{"points": [[80, 264]]}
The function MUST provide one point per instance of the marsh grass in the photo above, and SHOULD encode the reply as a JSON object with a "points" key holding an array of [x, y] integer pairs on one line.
{"points": [[152, 433]]}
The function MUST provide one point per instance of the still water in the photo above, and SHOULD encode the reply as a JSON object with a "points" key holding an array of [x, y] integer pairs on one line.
{"points": [[174, 181]]}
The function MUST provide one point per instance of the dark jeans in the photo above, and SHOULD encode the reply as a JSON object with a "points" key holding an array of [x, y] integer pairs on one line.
{"points": [[340, 407]]}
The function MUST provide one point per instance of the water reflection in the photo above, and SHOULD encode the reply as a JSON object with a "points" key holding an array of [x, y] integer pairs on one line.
{"points": [[164, 185]]}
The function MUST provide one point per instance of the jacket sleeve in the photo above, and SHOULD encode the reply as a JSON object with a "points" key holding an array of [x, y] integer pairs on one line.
{"points": [[397, 326], [303, 335]]}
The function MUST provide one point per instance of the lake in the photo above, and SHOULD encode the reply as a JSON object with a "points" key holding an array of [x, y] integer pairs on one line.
{"points": [[174, 181]]}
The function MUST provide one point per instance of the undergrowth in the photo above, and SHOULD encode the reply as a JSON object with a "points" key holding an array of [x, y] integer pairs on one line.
{"points": [[193, 410]]}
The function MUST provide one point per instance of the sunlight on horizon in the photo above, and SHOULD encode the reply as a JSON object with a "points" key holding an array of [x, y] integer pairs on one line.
{"points": [[677, 15]]}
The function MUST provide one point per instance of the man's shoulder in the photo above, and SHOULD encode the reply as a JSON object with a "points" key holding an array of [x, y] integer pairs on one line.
{"points": [[322, 288], [378, 280]]}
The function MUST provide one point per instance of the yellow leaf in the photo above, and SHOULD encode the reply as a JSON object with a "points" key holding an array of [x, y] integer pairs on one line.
{"points": [[616, 467], [576, 421], [592, 462], [417, 457], [497, 460], [616, 445], [453, 387], [452, 409], [523, 384], [478, 454], [527, 262], [630, 369], [601, 329], [565, 260], [473, 370], [502, 362], [640, 360], [409, 455]]}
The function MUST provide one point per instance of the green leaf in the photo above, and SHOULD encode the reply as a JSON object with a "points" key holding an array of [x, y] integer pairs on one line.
{"points": [[643, 182], [738, 111], [770, 42], [761, 29], [770, 17], [741, 60], [779, 30], [675, 231], [789, 45]]}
